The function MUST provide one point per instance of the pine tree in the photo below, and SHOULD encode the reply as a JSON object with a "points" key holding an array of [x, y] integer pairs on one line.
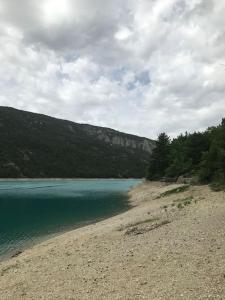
{"points": [[159, 161]]}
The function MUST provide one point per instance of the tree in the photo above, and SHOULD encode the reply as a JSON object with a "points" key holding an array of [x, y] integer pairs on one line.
{"points": [[200, 154], [179, 162], [186, 153], [212, 166], [159, 161]]}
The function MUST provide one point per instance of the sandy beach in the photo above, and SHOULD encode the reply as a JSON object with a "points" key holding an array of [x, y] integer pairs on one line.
{"points": [[169, 245]]}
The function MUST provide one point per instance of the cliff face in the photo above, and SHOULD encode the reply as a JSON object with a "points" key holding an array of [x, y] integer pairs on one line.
{"points": [[114, 137], [37, 146]]}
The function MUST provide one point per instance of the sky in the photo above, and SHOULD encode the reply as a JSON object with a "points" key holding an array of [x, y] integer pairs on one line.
{"points": [[138, 66]]}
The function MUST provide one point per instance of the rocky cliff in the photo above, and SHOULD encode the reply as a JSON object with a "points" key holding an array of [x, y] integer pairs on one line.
{"points": [[117, 138]]}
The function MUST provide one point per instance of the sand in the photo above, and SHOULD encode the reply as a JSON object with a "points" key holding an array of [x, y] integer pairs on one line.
{"points": [[167, 246]]}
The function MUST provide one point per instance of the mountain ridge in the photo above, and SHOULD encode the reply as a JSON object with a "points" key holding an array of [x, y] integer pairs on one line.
{"points": [[40, 146]]}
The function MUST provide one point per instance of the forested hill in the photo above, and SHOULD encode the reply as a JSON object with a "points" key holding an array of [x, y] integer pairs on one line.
{"points": [[38, 146]]}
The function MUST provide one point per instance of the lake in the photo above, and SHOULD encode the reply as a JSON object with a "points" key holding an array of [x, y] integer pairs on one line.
{"points": [[33, 210]]}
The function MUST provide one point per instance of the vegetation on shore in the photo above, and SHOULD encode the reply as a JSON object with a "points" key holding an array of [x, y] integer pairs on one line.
{"points": [[200, 156]]}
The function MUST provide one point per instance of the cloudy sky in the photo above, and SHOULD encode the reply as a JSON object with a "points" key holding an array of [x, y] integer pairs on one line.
{"points": [[139, 66]]}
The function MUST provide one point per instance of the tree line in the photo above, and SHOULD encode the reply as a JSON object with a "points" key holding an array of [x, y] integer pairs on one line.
{"points": [[200, 155]]}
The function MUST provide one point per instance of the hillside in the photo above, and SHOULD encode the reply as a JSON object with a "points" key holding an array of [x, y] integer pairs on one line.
{"points": [[39, 146]]}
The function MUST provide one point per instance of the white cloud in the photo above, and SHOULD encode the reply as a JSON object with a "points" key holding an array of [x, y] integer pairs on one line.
{"points": [[56, 11], [123, 33], [137, 66]]}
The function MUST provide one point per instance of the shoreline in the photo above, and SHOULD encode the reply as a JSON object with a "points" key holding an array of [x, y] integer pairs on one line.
{"points": [[66, 179], [40, 240], [168, 245]]}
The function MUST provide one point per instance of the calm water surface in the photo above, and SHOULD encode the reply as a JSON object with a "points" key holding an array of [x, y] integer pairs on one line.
{"points": [[34, 210]]}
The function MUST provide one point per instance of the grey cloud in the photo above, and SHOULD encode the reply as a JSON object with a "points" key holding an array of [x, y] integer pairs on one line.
{"points": [[138, 66], [89, 29]]}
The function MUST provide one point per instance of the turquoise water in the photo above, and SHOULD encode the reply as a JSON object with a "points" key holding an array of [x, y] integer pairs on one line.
{"points": [[31, 211]]}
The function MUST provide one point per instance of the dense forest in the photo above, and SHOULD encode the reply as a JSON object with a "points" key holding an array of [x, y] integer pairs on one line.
{"points": [[200, 156]]}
